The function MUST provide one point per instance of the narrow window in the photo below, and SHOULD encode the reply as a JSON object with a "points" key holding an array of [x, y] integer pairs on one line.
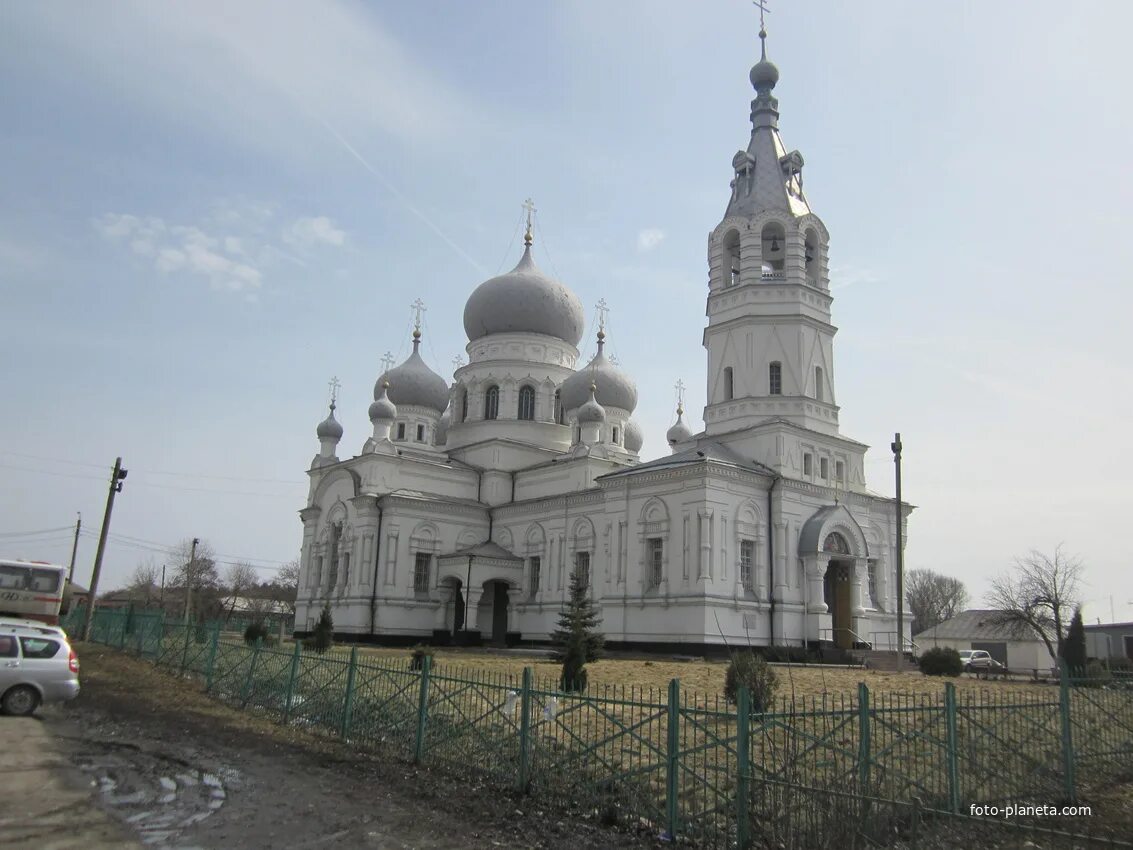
{"points": [[421, 572], [656, 552], [535, 565], [732, 259], [808, 464], [775, 378], [582, 567], [873, 584], [401, 430], [616, 436], [823, 467], [839, 471], [464, 405], [818, 392], [527, 403], [747, 558], [728, 387], [578, 434], [559, 409], [420, 433], [492, 402]]}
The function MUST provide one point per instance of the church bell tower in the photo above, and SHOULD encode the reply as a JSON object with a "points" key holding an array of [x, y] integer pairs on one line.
{"points": [[769, 336]]}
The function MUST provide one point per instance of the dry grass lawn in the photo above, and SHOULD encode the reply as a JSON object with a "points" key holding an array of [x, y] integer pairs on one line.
{"points": [[706, 677]]}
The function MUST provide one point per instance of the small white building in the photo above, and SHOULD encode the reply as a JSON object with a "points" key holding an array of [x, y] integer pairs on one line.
{"points": [[1110, 641], [1015, 646], [477, 495]]}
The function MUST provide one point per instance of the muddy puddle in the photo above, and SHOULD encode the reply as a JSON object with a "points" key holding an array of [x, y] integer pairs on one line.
{"points": [[161, 798]]}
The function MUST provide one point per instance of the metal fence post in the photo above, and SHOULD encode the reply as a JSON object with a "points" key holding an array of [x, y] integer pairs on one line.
{"points": [[525, 731], [185, 651], [1067, 737], [673, 762], [160, 638], [291, 682], [743, 766], [864, 758], [247, 694], [422, 710], [953, 748], [348, 700], [210, 667]]}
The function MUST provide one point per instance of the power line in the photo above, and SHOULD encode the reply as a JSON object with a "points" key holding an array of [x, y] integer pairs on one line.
{"points": [[33, 533], [54, 459], [48, 472]]}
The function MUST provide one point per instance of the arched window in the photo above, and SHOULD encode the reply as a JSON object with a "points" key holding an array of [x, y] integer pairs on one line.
{"points": [[492, 402], [774, 249], [775, 378], [810, 248], [728, 386], [559, 420], [527, 403], [819, 393], [615, 440], [731, 258], [464, 405]]}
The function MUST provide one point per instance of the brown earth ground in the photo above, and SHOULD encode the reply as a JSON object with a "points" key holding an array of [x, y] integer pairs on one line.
{"points": [[188, 772]]}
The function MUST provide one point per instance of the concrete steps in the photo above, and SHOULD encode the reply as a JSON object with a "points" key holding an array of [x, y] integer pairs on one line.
{"points": [[883, 659]]}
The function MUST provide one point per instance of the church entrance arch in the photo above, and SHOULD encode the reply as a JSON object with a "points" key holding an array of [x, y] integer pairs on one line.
{"points": [[836, 590], [497, 593]]}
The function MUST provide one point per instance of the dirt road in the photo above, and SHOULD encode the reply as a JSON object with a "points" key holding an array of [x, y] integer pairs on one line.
{"points": [[181, 771]]}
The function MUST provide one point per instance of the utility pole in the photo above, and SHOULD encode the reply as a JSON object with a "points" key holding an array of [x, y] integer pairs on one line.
{"points": [[75, 550], [189, 579], [896, 447], [161, 595], [117, 476]]}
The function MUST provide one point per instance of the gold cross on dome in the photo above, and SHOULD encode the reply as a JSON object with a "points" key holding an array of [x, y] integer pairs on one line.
{"points": [[529, 206], [387, 361], [603, 314], [457, 362], [334, 387], [762, 6], [418, 307], [680, 388]]}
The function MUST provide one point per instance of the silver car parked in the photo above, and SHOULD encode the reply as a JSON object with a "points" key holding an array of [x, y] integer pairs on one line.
{"points": [[37, 665]]}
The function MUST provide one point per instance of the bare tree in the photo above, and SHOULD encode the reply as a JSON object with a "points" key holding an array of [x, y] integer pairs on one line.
{"points": [[1039, 595], [933, 598], [143, 583], [197, 575], [286, 585], [240, 578]]}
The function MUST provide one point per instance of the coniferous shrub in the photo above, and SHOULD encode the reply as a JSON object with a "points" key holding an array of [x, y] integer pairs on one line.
{"points": [[256, 631], [1074, 647], [747, 668], [941, 661], [323, 637], [577, 639]]}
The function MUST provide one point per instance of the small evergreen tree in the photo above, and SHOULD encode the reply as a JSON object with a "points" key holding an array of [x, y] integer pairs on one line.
{"points": [[323, 637], [577, 639], [941, 661], [747, 668], [1074, 647]]}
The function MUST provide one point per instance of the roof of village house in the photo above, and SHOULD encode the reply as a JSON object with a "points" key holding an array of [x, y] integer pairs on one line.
{"points": [[1098, 626], [976, 624]]}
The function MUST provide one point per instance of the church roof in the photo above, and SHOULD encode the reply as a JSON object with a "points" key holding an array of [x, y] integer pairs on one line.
{"points": [[707, 451]]}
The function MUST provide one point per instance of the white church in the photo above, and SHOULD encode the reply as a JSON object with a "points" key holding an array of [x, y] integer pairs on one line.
{"points": [[464, 514]]}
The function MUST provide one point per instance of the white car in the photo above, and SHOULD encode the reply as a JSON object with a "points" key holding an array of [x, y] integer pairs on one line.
{"points": [[37, 665], [980, 661]]}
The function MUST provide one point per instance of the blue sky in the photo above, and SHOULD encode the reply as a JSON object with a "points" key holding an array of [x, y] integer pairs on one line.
{"points": [[209, 209]]}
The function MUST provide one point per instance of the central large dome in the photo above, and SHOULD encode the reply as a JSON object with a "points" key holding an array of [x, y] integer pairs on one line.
{"points": [[524, 301]]}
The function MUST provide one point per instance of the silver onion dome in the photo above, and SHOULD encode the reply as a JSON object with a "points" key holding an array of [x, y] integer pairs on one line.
{"points": [[615, 387], [413, 383]]}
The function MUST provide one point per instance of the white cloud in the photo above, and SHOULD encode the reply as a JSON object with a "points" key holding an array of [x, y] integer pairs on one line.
{"points": [[649, 239], [307, 232], [189, 249]]}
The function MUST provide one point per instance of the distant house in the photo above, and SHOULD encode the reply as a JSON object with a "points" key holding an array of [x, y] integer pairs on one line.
{"points": [[1110, 641], [1013, 645]]}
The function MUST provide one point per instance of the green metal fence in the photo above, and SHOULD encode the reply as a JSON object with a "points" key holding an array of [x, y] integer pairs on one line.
{"points": [[886, 765]]}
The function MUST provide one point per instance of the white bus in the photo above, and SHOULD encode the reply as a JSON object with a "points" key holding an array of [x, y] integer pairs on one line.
{"points": [[31, 589]]}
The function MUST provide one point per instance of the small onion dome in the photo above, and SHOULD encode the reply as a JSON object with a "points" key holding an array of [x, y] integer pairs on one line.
{"points": [[329, 428], [414, 383], [441, 434], [383, 408], [680, 431], [524, 301], [591, 411], [615, 387], [634, 439], [764, 75]]}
